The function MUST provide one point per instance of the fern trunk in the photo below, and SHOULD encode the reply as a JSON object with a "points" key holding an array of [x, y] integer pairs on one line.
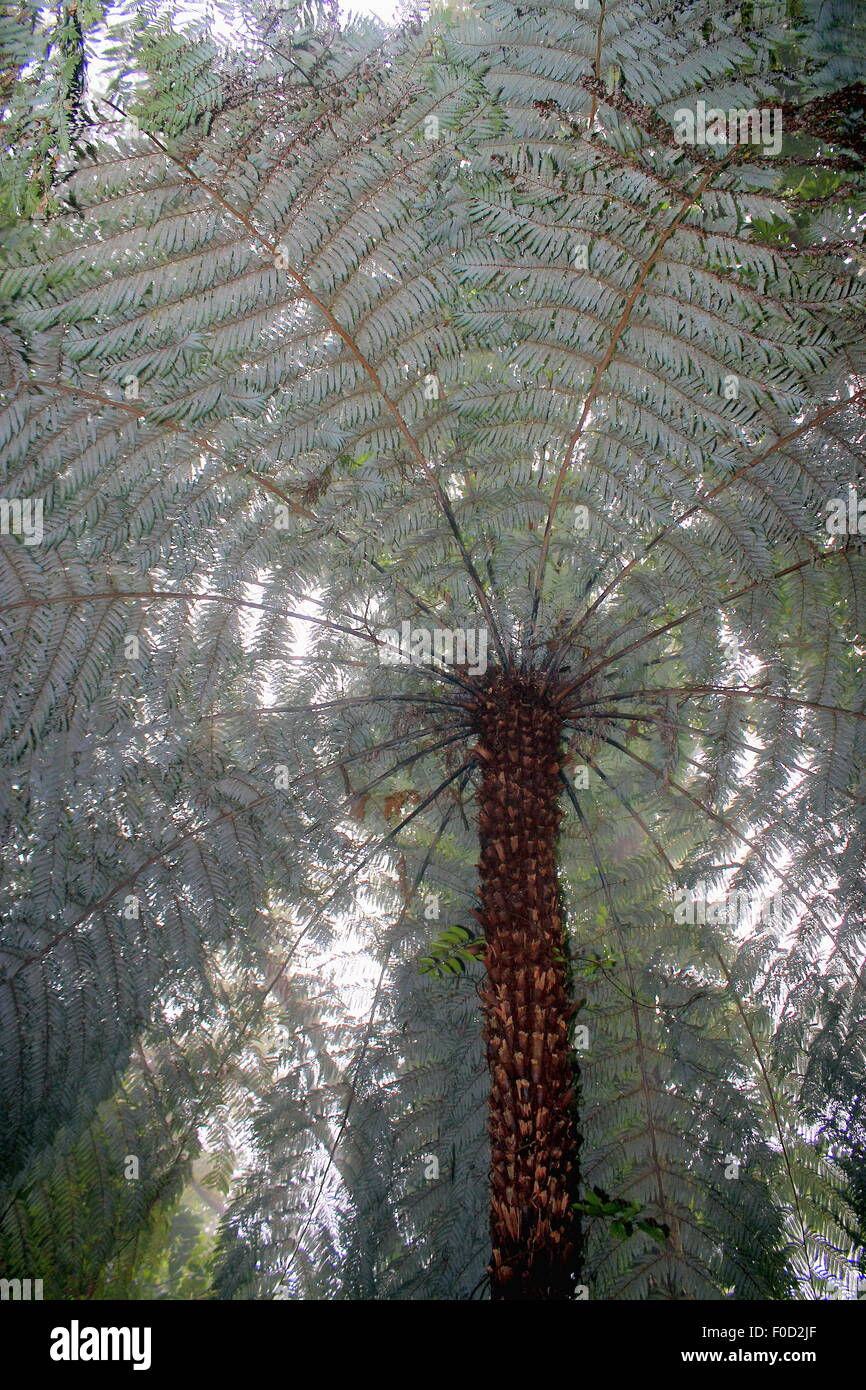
{"points": [[531, 1123]]}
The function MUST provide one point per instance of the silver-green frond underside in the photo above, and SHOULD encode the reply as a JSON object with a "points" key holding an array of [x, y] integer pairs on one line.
{"points": [[464, 339]]}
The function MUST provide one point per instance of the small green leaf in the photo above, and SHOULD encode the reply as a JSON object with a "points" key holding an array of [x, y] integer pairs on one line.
{"points": [[652, 1228]]}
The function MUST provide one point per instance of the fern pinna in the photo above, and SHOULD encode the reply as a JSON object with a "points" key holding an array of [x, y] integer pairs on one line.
{"points": [[433, 444]]}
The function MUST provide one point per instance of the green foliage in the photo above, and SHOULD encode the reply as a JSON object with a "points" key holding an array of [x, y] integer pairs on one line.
{"points": [[450, 952], [595, 961], [42, 86], [220, 833], [624, 1217]]}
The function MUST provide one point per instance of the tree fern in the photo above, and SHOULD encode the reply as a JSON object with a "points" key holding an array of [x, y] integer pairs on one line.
{"points": [[338, 337]]}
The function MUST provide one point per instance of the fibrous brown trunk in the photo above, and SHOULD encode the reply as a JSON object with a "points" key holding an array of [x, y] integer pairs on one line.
{"points": [[533, 1137]]}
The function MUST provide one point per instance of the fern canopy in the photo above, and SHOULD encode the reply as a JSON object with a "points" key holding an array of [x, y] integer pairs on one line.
{"points": [[313, 333]]}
